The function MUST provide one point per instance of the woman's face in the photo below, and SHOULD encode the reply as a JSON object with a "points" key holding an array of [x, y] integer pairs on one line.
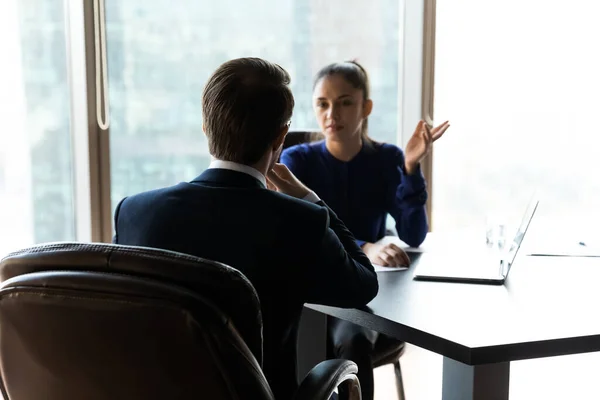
{"points": [[339, 107]]}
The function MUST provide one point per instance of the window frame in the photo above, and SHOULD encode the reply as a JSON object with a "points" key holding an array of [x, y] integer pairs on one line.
{"points": [[417, 78], [90, 144]]}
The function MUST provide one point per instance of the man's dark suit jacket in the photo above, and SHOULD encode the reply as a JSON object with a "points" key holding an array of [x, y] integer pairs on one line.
{"points": [[293, 251]]}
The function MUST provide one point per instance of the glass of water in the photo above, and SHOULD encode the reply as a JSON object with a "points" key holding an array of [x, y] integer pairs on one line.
{"points": [[495, 233]]}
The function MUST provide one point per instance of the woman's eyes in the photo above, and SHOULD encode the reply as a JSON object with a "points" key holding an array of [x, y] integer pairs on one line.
{"points": [[344, 103]]}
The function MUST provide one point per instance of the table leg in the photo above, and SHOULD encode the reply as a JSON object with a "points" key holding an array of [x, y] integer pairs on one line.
{"points": [[475, 382], [312, 341]]}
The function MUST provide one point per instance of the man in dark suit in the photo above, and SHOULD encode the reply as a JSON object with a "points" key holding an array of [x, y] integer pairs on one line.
{"points": [[252, 214]]}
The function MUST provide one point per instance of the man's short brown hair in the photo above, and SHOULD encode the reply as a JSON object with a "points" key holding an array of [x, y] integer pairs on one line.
{"points": [[245, 105]]}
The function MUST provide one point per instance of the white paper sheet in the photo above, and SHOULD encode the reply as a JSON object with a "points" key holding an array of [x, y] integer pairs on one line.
{"points": [[380, 268]]}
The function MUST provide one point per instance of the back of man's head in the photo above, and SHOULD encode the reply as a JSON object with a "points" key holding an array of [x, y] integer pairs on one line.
{"points": [[246, 104]]}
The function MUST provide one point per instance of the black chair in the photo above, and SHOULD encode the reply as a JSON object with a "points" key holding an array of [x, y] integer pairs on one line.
{"points": [[102, 321], [298, 137], [387, 350]]}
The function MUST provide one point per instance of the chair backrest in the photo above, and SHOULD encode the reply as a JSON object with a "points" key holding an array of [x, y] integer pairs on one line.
{"points": [[298, 137], [102, 321]]}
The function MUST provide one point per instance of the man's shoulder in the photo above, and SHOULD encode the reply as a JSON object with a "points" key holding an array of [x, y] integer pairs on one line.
{"points": [[262, 202], [157, 203], [152, 195], [299, 211]]}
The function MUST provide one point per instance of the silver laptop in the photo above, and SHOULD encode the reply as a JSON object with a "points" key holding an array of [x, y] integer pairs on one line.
{"points": [[489, 269]]}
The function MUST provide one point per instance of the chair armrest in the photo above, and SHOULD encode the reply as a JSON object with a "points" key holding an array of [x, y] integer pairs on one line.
{"points": [[322, 380]]}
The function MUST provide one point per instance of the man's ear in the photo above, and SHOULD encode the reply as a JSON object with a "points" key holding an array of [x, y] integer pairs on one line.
{"points": [[203, 130], [280, 138], [367, 108]]}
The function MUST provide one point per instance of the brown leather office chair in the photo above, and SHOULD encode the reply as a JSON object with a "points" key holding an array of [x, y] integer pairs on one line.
{"points": [[387, 350], [102, 321]]}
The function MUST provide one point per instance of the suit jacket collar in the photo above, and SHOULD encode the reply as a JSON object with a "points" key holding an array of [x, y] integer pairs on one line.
{"points": [[240, 168], [228, 178]]}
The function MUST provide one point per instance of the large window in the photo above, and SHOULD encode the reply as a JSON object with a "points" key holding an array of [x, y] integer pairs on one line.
{"points": [[36, 193], [160, 56], [519, 81]]}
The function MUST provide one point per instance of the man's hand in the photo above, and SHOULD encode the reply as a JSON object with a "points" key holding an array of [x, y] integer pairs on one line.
{"points": [[281, 179], [388, 255]]}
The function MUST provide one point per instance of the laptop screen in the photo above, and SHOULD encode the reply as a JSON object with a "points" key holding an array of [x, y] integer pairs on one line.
{"points": [[516, 244]]}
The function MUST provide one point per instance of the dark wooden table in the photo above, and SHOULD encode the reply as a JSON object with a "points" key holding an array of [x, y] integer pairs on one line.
{"points": [[546, 308]]}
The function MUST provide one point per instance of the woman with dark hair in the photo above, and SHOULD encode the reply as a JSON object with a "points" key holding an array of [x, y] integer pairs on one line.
{"points": [[363, 181]]}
